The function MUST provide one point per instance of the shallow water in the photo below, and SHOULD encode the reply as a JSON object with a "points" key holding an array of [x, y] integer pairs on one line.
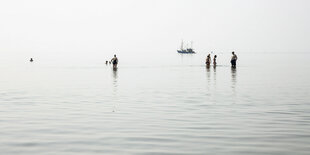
{"points": [[156, 105]]}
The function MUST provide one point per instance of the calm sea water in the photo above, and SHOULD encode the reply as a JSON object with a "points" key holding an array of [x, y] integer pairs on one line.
{"points": [[155, 104]]}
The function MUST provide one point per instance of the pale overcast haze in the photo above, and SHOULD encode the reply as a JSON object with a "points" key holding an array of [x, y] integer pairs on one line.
{"points": [[58, 96], [153, 25]]}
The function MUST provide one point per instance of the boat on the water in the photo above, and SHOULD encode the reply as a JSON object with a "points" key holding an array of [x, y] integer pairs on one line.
{"points": [[186, 50]]}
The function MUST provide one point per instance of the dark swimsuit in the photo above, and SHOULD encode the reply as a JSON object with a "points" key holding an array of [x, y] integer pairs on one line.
{"points": [[114, 62], [233, 62], [208, 61]]}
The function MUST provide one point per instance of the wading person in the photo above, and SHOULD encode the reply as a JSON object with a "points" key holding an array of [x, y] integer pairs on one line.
{"points": [[31, 60], [214, 60], [208, 60], [114, 61], [233, 60]]}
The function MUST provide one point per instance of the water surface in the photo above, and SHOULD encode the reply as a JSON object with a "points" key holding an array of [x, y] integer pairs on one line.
{"points": [[155, 104]]}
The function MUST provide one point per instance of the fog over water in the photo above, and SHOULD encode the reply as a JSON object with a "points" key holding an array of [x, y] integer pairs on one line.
{"points": [[66, 27], [68, 101]]}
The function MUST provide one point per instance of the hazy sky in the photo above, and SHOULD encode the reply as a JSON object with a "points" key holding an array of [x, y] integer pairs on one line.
{"points": [[68, 26]]}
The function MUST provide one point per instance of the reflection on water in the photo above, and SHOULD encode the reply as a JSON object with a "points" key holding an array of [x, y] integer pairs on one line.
{"points": [[233, 83], [115, 86], [115, 76], [208, 75], [233, 77], [214, 75]]}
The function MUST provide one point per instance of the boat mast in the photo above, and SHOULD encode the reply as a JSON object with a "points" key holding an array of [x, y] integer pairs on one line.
{"points": [[182, 45]]}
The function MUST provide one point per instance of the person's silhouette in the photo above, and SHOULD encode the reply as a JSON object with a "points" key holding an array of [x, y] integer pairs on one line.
{"points": [[114, 61], [233, 60]]}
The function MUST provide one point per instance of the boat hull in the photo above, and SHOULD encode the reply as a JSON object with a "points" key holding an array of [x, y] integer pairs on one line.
{"points": [[186, 52]]}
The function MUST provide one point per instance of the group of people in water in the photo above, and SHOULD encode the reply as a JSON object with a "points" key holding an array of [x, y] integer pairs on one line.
{"points": [[233, 60], [114, 61]]}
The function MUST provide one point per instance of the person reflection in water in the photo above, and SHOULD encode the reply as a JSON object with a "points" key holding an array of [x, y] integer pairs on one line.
{"points": [[115, 73], [114, 61], [208, 60], [233, 60], [114, 69], [233, 75]]}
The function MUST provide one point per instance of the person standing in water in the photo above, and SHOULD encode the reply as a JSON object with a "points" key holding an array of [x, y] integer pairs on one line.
{"points": [[233, 60], [208, 60], [114, 61], [214, 60], [31, 60]]}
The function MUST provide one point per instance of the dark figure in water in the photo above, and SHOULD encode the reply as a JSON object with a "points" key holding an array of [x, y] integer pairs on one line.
{"points": [[233, 60], [208, 60], [106, 62], [114, 61], [31, 60], [214, 60]]}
